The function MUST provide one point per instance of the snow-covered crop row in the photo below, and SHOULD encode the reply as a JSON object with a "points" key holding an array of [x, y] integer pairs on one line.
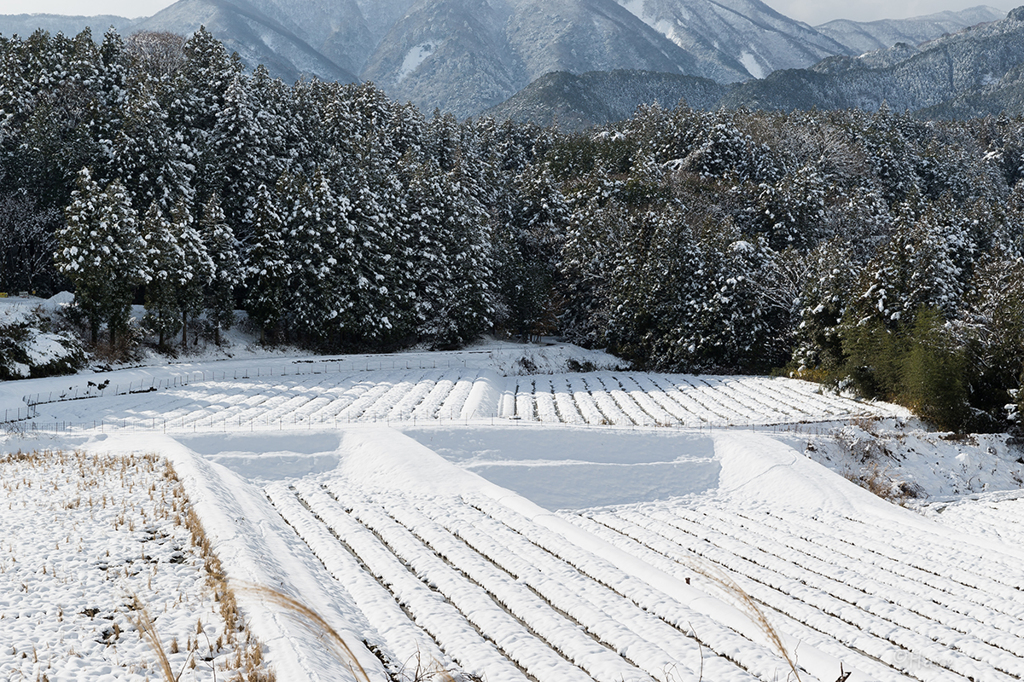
{"points": [[255, 402], [997, 516], [471, 581], [233, 401], [631, 398], [844, 586]]}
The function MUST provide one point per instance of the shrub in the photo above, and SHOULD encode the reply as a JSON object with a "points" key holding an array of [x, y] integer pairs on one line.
{"points": [[28, 348], [873, 362], [933, 374]]}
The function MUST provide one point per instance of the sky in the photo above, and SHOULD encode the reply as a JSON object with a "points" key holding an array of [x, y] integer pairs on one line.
{"points": [[811, 11]]}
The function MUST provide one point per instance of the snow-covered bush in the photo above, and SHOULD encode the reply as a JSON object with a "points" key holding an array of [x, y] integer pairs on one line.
{"points": [[32, 346]]}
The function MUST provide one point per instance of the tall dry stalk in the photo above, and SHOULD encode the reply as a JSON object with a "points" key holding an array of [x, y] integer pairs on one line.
{"points": [[342, 650], [147, 630], [750, 606]]}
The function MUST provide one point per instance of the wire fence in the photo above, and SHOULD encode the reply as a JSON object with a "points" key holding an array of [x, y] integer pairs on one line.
{"points": [[299, 422], [26, 419]]}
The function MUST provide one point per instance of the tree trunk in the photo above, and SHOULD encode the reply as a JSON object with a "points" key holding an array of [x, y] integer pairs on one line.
{"points": [[184, 330]]}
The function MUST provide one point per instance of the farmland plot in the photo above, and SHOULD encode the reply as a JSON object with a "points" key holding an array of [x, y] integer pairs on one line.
{"points": [[504, 597], [417, 509], [914, 604], [444, 565], [999, 516], [347, 396]]}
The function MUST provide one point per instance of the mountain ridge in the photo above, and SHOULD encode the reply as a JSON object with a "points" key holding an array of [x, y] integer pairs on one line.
{"points": [[470, 56]]}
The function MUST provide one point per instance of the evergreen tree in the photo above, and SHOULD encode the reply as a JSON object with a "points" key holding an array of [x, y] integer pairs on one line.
{"points": [[450, 273], [102, 253], [224, 252], [374, 259], [240, 146], [933, 378], [197, 268], [536, 228], [164, 260], [267, 267], [147, 153], [311, 227]]}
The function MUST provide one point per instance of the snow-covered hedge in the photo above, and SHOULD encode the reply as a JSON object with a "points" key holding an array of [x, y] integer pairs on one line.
{"points": [[30, 346]]}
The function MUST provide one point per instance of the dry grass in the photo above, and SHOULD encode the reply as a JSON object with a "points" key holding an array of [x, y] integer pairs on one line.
{"points": [[341, 649], [147, 629], [76, 481], [877, 480], [750, 607]]}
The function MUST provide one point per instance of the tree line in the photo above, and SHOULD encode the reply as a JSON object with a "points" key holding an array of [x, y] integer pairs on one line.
{"points": [[874, 251]]}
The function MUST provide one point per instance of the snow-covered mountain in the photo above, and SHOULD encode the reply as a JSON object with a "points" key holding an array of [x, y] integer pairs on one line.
{"points": [[735, 38], [979, 64], [25, 25], [465, 56], [861, 37], [272, 39]]}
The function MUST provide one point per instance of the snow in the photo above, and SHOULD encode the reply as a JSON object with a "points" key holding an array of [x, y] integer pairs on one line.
{"points": [[460, 512], [634, 7], [751, 64], [413, 58], [578, 468], [88, 541]]}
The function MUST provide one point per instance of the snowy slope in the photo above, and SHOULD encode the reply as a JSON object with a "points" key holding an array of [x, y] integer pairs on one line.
{"points": [[413, 501], [745, 35], [860, 37]]}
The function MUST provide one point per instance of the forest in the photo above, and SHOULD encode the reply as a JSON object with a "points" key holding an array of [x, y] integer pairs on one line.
{"points": [[870, 251]]}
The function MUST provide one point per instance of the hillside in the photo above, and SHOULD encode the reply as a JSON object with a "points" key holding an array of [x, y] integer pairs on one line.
{"points": [[465, 57], [577, 102], [972, 61], [860, 37], [439, 514]]}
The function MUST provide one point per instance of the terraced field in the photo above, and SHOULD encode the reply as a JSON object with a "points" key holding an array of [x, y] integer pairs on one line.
{"points": [[509, 599], [653, 591], [414, 395], [891, 601], [679, 554]]}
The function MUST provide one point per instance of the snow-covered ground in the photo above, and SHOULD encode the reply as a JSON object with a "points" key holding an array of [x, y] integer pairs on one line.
{"points": [[481, 513], [91, 545]]}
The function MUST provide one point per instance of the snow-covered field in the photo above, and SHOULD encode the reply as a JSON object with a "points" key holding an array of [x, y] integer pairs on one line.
{"points": [[414, 388], [459, 511], [92, 544]]}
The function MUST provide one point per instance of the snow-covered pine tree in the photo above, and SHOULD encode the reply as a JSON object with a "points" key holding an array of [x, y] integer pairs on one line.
{"points": [[193, 99], [56, 136], [539, 217], [197, 267], [310, 225], [593, 243], [164, 261], [147, 153], [285, 136], [374, 254], [224, 251], [240, 146], [448, 250], [833, 271], [267, 267], [102, 253]]}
